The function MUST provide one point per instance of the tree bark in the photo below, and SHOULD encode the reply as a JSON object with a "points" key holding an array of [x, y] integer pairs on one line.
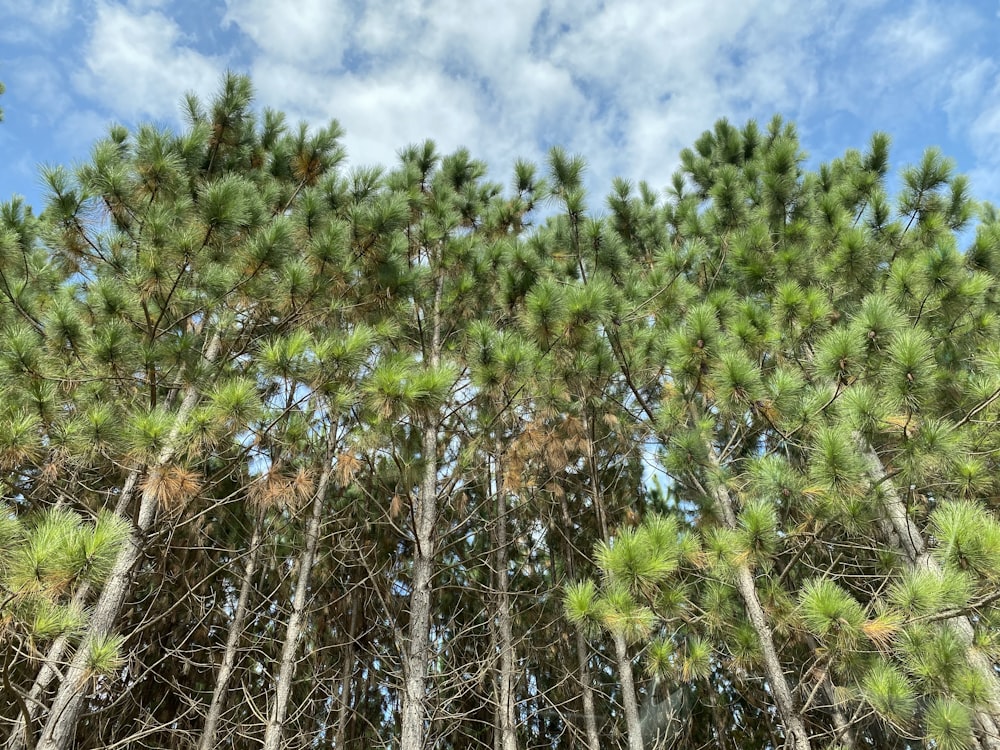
{"points": [[796, 735], [48, 670], [424, 511], [293, 633], [844, 731], [417, 654], [589, 712], [582, 649], [60, 728], [906, 536], [344, 699], [629, 702], [218, 704], [505, 721]]}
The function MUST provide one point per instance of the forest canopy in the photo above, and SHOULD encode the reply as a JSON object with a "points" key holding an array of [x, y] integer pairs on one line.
{"points": [[300, 454]]}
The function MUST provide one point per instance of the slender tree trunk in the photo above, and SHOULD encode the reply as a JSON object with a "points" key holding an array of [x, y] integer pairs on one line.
{"points": [[505, 721], [344, 700], [60, 728], [582, 649], [417, 655], [597, 491], [905, 534], [218, 704], [597, 497], [621, 647], [424, 510], [629, 701], [796, 735], [589, 713], [795, 729], [49, 669], [844, 731], [286, 670]]}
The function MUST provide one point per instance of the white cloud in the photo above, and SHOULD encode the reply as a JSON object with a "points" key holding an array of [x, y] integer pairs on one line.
{"points": [[665, 74], [490, 40], [308, 33], [914, 41], [80, 129], [902, 60], [380, 113], [41, 15], [431, 70], [626, 83], [387, 28], [137, 65]]}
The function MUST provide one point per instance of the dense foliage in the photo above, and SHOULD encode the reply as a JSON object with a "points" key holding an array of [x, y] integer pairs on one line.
{"points": [[300, 455]]}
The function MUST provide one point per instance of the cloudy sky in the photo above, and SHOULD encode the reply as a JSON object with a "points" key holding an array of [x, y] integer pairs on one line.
{"points": [[626, 83]]}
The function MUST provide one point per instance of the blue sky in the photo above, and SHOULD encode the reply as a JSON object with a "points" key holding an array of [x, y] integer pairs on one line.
{"points": [[627, 83]]}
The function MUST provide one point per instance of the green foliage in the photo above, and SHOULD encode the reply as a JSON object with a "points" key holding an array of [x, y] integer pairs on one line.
{"points": [[949, 724], [44, 559], [758, 526], [217, 318], [886, 688], [639, 559], [738, 383], [104, 654], [923, 592], [836, 464], [832, 614], [581, 605], [968, 538], [660, 658]]}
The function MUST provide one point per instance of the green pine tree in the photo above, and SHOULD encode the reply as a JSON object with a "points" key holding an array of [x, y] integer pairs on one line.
{"points": [[44, 562], [403, 460], [795, 348]]}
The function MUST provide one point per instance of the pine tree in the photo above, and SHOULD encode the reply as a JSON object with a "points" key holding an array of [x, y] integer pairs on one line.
{"points": [[299, 455], [45, 561], [799, 365]]}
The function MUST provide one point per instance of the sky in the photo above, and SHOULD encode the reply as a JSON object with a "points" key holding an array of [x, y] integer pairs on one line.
{"points": [[625, 83]]}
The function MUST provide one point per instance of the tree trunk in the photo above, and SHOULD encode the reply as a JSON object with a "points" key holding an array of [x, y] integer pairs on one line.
{"points": [[16, 740], [424, 512], [844, 736], [582, 649], [344, 700], [286, 669], [795, 728], [589, 713], [60, 728], [505, 722], [218, 704], [417, 654], [906, 536], [629, 701], [796, 735], [722, 740]]}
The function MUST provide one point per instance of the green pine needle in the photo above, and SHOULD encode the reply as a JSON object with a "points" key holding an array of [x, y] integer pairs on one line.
{"points": [[104, 655], [949, 724], [831, 613], [888, 691]]}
